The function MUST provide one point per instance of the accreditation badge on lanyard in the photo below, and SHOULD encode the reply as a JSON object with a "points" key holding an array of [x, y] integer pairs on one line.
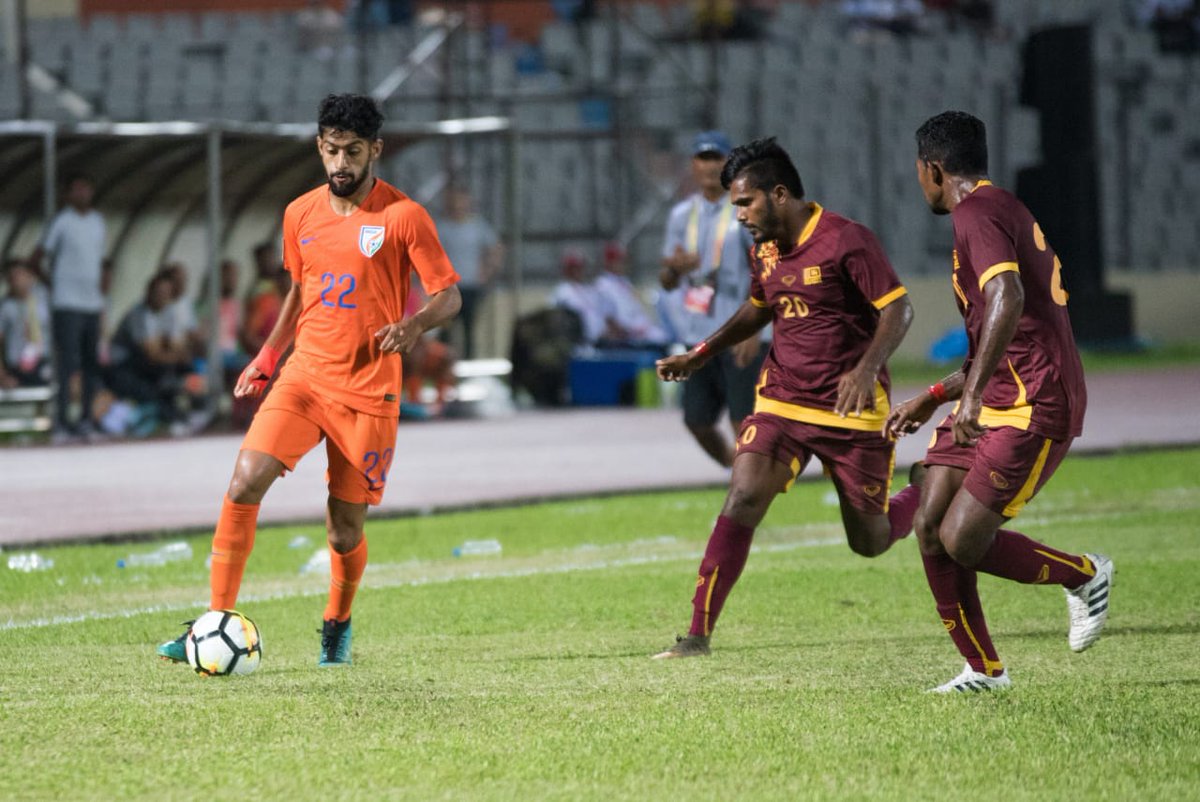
{"points": [[698, 298]]}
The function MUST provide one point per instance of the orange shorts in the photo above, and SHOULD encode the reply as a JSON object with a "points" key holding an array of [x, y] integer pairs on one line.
{"points": [[293, 419]]}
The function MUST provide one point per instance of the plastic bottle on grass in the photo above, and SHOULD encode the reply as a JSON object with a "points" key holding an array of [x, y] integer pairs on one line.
{"points": [[30, 562], [477, 548], [169, 553]]}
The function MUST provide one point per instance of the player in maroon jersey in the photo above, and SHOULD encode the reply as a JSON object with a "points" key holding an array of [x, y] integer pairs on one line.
{"points": [[1021, 399], [839, 311]]}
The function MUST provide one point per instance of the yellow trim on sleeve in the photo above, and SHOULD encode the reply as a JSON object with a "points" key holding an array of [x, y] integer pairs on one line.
{"points": [[886, 299], [871, 420], [996, 269], [1027, 489], [758, 303]]}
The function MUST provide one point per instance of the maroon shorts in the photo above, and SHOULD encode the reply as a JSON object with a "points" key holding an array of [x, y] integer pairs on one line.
{"points": [[1005, 468], [860, 463]]}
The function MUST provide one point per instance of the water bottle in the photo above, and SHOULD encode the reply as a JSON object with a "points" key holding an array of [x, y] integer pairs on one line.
{"points": [[171, 552], [477, 548], [318, 563], [28, 563]]}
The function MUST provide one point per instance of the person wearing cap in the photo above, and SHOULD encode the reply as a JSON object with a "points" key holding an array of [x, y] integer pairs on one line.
{"points": [[706, 273], [579, 294], [625, 309]]}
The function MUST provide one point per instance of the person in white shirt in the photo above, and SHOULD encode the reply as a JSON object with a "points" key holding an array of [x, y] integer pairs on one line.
{"points": [[75, 243], [579, 294], [24, 329], [474, 249], [625, 307]]}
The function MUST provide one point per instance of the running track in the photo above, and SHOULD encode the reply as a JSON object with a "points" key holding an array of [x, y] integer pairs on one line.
{"points": [[141, 488]]}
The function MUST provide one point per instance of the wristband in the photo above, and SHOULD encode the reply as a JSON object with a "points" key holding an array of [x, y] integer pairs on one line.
{"points": [[700, 348], [938, 391], [266, 360]]}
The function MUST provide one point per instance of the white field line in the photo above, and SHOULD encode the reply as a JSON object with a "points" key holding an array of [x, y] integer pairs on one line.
{"points": [[377, 581]]}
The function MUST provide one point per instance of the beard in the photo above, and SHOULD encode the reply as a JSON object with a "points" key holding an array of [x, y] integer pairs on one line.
{"points": [[348, 188]]}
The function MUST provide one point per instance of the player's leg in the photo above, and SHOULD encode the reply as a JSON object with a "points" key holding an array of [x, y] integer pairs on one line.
{"points": [[1011, 467], [347, 561], [703, 399], [360, 449], [759, 474], [953, 586], [861, 465], [281, 433]]}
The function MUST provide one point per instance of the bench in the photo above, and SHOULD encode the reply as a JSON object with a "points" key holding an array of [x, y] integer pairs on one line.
{"points": [[25, 409]]}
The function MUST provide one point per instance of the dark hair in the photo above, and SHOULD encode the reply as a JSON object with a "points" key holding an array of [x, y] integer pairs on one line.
{"points": [[78, 176], [766, 166], [357, 114], [955, 139]]}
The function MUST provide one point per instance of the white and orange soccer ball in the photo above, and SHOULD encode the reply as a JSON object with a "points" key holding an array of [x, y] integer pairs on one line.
{"points": [[223, 642]]}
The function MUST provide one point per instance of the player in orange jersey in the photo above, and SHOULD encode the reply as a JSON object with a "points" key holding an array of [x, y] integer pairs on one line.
{"points": [[350, 247]]}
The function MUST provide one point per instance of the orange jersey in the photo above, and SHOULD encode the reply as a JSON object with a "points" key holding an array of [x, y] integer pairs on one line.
{"points": [[354, 278]]}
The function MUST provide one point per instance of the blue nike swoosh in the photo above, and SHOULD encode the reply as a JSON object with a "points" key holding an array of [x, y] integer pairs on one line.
{"points": [[307, 240]]}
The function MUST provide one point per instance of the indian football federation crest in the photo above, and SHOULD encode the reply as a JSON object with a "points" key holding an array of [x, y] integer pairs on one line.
{"points": [[768, 254], [370, 240]]}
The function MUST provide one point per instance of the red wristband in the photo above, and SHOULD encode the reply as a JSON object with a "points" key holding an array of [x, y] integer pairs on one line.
{"points": [[266, 360], [938, 391], [700, 347]]}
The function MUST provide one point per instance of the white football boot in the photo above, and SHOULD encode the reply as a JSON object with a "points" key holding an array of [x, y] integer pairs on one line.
{"points": [[1088, 605], [972, 681]]}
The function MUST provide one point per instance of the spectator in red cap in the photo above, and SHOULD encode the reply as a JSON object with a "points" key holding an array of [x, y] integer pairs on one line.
{"points": [[580, 294], [624, 306]]}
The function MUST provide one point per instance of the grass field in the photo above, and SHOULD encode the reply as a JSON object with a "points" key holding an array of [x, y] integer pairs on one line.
{"points": [[526, 676]]}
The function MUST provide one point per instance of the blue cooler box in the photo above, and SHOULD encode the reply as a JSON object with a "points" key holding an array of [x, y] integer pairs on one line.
{"points": [[608, 378]]}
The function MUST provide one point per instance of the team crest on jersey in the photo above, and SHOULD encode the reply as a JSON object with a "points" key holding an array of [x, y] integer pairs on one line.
{"points": [[370, 240], [768, 254], [812, 275]]}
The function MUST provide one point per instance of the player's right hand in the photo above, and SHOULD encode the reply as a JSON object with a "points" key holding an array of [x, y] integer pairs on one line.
{"points": [[251, 383], [909, 416], [676, 368]]}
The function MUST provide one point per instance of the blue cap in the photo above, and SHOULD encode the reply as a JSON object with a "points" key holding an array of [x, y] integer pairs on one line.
{"points": [[711, 142]]}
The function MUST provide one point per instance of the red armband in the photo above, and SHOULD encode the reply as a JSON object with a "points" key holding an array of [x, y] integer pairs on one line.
{"points": [[266, 361], [700, 348], [938, 391]]}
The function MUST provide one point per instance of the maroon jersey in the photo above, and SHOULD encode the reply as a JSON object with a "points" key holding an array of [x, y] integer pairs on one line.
{"points": [[826, 293], [1038, 385]]}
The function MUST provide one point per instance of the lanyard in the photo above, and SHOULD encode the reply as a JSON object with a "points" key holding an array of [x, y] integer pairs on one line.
{"points": [[718, 242]]}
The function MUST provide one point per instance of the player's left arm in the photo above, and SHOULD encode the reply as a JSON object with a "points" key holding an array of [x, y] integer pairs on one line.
{"points": [[399, 337], [437, 276], [856, 388], [1004, 300], [868, 267]]}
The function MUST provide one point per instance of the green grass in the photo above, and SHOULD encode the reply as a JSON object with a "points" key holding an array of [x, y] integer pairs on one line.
{"points": [[526, 676], [1163, 355]]}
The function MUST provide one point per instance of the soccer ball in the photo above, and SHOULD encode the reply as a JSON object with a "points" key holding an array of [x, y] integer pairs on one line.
{"points": [[223, 642]]}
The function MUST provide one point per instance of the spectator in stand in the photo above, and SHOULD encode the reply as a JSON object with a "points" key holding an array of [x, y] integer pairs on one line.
{"points": [[181, 314], [579, 294], [75, 242], [476, 253], [229, 321], [149, 366], [24, 329], [625, 308], [265, 298], [895, 16]]}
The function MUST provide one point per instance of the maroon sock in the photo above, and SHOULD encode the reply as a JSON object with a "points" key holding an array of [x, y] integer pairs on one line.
{"points": [[723, 562], [1017, 557], [902, 508], [957, 599]]}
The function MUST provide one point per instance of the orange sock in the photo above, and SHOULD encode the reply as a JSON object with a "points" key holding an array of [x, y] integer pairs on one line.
{"points": [[344, 572], [232, 543]]}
